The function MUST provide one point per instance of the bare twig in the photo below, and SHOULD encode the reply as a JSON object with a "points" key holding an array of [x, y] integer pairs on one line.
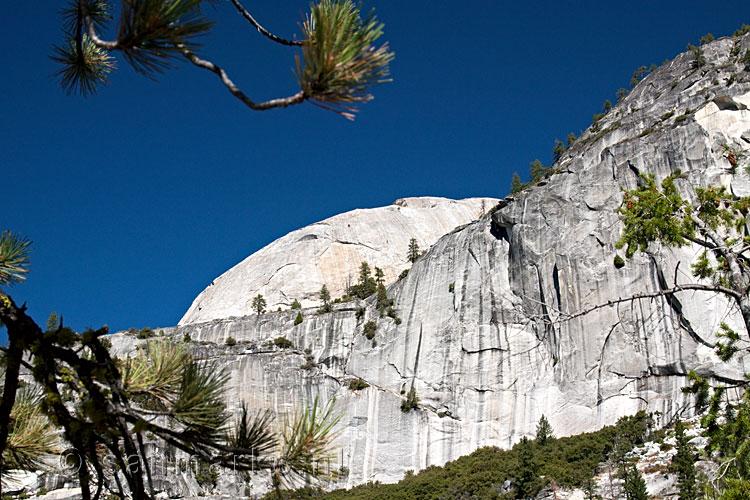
{"points": [[262, 106], [650, 295], [264, 31]]}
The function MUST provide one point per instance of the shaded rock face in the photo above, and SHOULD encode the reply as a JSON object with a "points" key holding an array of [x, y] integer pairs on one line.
{"points": [[330, 252], [484, 338]]}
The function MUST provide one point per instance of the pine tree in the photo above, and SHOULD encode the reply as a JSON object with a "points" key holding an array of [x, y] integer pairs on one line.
{"points": [[537, 170], [635, 486], [526, 474], [259, 304], [413, 253], [53, 323], [684, 463], [544, 431], [298, 319], [338, 64], [516, 184], [112, 404], [379, 276], [325, 295], [558, 150]]}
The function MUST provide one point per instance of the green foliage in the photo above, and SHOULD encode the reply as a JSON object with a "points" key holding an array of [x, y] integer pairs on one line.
{"points": [[296, 305], [230, 341], [14, 258], [205, 474], [570, 139], [744, 29], [259, 304], [357, 384], [360, 314], [53, 322], [366, 285], [340, 64], [325, 295], [544, 432], [452, 287], [84, 66], [369, 330], [569, 461], [527, 476], [558, 150], [145, 333], [638, 76], [650, 214], [621, 94], [282, 343], [619, 262], [298, 319], [746, 60], [538, 171], [606, 106], [516, 184], [403, 274], [412, 254], [635, 486], [699, 59], [411, 402], [683, 463], [708, 37]]}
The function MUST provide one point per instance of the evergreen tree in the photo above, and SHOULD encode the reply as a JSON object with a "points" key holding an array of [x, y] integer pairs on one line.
{"points": [[296, 305], [544, 431], [379, 276], [558, 150], [53, 323], [684, 463], [516, 184], [413, 253], [111, 407], [338, 64], [635, 486], [607, 106], [526, 477], [298, 319], [325, 295], [537, 170], [259, 304], [570, 139], [366, 285]]}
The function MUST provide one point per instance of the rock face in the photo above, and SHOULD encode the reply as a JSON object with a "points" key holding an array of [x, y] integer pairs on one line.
{"points": [[329, 252], [484, 338]]}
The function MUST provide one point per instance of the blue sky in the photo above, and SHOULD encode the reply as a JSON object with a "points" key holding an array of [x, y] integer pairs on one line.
{"points": [[138, 197]]}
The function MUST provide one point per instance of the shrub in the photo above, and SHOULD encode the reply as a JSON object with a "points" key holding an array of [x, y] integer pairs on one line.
{"points": [[403, 274], [145, 333], [708, 37], [186, 338], [411, 402], [360, 314], [282, 342], [230, 341], [743, 30], [619, 262], [358, 384], [369, 330], [452, 287], [296, 304], [298, 319]]}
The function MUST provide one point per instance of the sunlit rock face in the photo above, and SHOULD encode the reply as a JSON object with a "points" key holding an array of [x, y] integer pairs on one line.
{"points": [[484, 337], [330, 252]]}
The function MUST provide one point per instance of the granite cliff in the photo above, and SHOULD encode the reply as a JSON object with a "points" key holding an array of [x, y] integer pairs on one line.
{"points": [[484, 337]]}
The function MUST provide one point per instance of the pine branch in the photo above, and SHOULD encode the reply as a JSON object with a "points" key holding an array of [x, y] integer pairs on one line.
{"points": [[264, 31], [234, 90]]}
